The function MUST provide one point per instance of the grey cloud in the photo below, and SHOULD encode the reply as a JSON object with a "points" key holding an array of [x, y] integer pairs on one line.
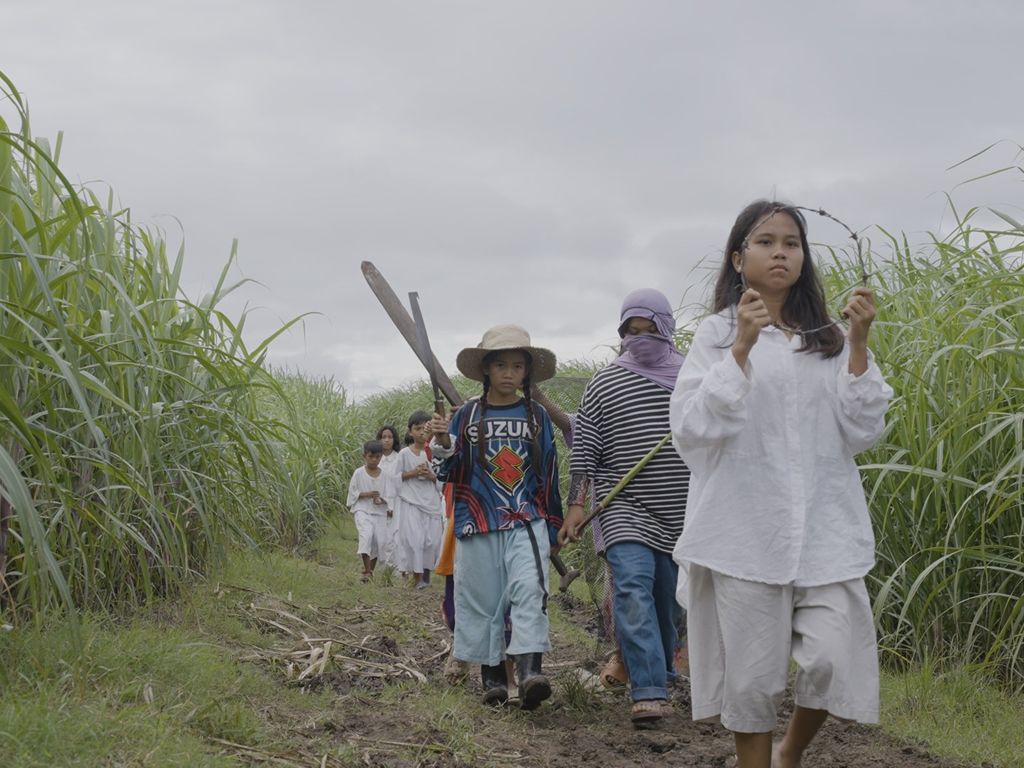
{"points": [[523, 161]]}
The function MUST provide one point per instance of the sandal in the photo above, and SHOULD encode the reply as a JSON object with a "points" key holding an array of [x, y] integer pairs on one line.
{"points": [[647, 712], [365, 577], [614, 674]]}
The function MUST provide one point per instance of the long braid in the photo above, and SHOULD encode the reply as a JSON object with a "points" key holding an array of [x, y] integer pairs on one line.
{"points": [[534, 431], [480, 424]]}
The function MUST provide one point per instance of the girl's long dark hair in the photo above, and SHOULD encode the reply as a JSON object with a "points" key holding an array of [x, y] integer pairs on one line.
{"points": [[394, 436], [805, 304]]}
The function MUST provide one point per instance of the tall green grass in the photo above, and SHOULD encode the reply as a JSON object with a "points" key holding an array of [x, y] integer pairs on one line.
{"points": [[139, 433], [946, 484], [321, 450]]}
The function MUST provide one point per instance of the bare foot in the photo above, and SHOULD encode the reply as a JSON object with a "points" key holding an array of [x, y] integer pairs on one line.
{"points": [[779, 762]]}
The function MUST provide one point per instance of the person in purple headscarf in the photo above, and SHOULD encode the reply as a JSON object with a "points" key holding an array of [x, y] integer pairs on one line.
{"points": [[646, 327], [623, 415]]}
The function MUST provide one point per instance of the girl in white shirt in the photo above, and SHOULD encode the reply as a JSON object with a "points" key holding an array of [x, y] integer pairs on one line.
{"points": [[388, 436], [418, 504], [769, 409]]}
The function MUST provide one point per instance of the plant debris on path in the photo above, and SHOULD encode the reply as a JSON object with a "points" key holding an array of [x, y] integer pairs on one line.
{"points": [[379, 650]]}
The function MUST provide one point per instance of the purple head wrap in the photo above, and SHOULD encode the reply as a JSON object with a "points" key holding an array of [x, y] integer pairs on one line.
{"points": [[651, 355]]}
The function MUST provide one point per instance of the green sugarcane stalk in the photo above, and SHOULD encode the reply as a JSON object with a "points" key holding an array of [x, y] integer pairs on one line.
{"points": [[627, 478]]}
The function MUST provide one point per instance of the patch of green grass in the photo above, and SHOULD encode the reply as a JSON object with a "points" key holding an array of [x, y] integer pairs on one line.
{"points": [[576, 694], [958, 713], [157, 688], [141, 694], [443, 730], [292, 579], [45, 727], [457, 727]]}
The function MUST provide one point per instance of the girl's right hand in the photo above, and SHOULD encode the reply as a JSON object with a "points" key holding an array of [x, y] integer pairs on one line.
{"points": [[751, 317], [439, 425]]}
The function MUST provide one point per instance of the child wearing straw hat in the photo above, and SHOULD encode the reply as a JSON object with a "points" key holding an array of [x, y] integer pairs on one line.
{"points": [[502, 465]]}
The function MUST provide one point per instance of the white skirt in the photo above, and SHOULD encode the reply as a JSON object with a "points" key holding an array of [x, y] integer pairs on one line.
{"points": [[420, 533], [742, 635]]}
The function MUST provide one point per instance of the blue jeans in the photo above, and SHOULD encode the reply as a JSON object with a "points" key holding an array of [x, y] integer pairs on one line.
{"points": [[647, 616]]}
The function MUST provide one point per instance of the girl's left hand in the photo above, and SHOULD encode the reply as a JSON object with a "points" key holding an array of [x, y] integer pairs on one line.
{"points": [[860, 312]]}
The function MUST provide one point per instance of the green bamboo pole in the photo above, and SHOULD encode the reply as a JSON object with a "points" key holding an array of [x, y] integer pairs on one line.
{"points": [[603, 504]]}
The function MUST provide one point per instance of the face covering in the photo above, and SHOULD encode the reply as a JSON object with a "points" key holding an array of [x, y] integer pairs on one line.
{"points": [[646, 348], [651, 355]]}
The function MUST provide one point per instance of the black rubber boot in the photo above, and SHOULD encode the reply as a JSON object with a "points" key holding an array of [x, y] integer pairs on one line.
{"points": [[495, 684], [533, 686]]}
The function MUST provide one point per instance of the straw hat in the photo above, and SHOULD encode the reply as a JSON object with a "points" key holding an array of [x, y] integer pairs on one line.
{"points": [[504, 337]]}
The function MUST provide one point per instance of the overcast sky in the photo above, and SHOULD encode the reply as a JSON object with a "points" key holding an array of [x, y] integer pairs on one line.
{"points": [[525, 162]]}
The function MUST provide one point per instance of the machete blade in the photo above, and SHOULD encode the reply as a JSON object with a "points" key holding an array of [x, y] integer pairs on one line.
{"points": [[404, 323]]}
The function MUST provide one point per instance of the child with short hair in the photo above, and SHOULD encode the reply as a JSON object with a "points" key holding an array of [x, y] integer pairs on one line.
{"points": [[500, 458], [368, 492], [770, 407], [418, 503]]}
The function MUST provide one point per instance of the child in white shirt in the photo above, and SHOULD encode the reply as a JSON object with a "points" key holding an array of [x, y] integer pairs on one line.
{"points": [[368, 493], [388, 436], [418, 503], [769, 410]]}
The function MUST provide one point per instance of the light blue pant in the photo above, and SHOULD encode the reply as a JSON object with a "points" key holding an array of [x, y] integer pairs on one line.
{"points": [[494, 571], [646, 616]]}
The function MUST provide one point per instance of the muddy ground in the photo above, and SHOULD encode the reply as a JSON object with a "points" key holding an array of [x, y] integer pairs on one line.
{"points": [[381, 656]]}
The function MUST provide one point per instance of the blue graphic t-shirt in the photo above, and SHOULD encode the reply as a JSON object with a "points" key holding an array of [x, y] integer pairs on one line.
{"points": [[506, 489]]}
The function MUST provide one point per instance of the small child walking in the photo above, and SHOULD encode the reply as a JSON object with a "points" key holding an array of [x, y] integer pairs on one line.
{"points": [[368, 492], [770, 407], [388, 436], [418, 503], [498, 453]]}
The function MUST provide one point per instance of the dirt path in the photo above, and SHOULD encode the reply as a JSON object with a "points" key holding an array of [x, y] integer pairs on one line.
{"points": [[383, 655]]}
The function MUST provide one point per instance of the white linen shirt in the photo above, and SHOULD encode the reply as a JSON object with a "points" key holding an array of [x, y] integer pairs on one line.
{"points": [[416, 490], [363, 481], [775, 495]]}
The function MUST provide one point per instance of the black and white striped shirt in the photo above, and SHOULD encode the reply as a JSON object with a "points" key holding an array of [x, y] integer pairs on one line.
{"points": [[622, 416]]}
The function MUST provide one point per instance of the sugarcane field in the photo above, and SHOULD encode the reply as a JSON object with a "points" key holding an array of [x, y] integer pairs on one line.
{"points": [[376, 390]]}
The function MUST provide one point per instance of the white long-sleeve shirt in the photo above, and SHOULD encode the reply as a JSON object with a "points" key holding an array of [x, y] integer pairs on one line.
{"points": [[419, 491], [388, 462], [363, 481], [775, 495]]}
